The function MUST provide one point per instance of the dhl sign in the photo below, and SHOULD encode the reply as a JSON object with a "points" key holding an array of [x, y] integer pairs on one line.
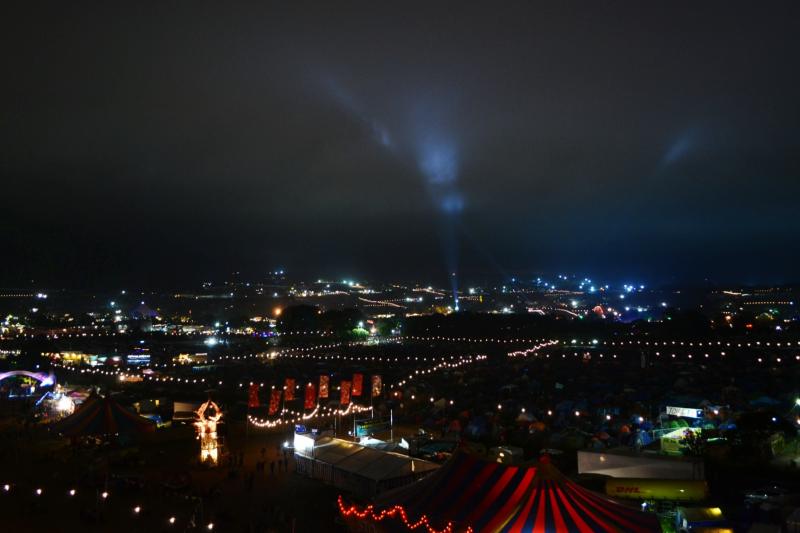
{"points": [[679, 490], [627, 490]]}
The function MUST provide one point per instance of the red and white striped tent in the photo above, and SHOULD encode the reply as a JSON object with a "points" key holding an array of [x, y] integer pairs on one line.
{"points": [[469, 494]]}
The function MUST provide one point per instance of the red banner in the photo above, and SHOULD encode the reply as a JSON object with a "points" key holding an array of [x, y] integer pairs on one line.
{"points": [[274, 401], [289, 388], [345, 393], [376, 386], [252, 396], [358, 384], [323, 386], [311, 396]]}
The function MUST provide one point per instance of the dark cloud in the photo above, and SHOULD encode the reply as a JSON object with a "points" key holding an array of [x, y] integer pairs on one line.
{"points": [[182, 140]]}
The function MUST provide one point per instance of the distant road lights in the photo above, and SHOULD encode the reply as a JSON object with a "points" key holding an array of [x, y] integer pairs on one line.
{"points": [[137, 510], [608, 417], [72, 492], [210, 526], [171, 520], [549, 413], [523, 409], [577, 413], [38, 492], [104, 495], [499, 407], [641, 419], [6, 487]]}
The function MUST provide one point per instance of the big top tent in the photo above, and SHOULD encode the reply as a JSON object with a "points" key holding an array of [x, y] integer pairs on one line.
{"points": [[469, 494], [102, 415]]}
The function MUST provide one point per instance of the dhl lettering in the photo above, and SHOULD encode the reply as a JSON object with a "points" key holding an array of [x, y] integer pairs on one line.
{"points": [[628, 490]]}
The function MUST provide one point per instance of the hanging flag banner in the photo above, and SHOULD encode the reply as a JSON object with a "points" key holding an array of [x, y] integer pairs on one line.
{"points": [[358, 384], [323, 386], [289, 394], [252, 396], [311, 396], [274, 401], [376, 386], [345, 399]]}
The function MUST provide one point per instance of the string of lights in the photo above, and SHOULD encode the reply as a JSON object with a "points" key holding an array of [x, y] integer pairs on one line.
{"points": [[484, 340], [368, 513], [461, 361], [533, 350], [787, 344], [288, 416], [40, 491]]}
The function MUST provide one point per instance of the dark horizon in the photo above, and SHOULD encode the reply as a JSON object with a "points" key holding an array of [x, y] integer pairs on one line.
{"points": [[166, 145]]}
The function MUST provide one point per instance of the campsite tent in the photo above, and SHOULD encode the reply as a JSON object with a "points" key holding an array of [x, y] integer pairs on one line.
{"points": [[102, 415], [470, 494]]}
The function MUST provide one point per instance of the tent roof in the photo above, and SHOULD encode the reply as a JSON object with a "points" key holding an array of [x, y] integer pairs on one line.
{"points": [[367, 462], [102, 415], [471, 494]]}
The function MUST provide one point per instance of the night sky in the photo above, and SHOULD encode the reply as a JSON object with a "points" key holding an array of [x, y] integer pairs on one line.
{"points": [[174, 142]]}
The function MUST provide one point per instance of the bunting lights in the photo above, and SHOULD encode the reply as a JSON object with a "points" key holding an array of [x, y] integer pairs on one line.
{"points": [[397, 511], [294, 417]]}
